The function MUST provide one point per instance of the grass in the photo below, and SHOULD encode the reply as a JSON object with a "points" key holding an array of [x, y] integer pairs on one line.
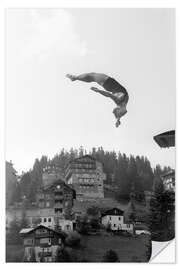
{"points": [[14, 253], [128, 249]]}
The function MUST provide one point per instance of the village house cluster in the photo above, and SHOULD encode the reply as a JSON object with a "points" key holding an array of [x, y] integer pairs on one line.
{"points": [[53, 211], [169, 180], [43, 241], [54, 214]]}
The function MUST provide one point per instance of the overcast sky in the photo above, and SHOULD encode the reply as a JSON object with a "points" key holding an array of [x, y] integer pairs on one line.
{"points": [[46, 112]]}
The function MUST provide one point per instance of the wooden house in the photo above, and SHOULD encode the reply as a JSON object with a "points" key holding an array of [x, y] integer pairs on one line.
{"points": [[41, 243]]}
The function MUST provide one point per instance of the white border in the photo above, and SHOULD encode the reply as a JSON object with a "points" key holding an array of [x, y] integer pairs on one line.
{"points": [[169, 252]]}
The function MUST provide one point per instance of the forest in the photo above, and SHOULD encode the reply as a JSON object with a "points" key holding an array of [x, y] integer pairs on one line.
{"points": [[121, 171]]}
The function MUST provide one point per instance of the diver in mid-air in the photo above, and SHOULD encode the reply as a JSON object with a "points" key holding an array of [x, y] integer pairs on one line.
{"points": [[114, 90]]}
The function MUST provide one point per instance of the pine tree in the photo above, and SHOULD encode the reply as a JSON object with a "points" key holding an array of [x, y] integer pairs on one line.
{"points": [[25, 184], [16, 193], [156, 206], [13, 236]]}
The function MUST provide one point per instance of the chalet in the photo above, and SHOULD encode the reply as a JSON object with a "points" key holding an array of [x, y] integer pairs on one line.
{"points": [[41, 243], [164, 140], [115, 219], [86, 176], [55, 200], [169, 180]]}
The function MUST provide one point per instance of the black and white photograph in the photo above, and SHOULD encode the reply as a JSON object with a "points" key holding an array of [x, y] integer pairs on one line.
{"points": [[90, 125]]}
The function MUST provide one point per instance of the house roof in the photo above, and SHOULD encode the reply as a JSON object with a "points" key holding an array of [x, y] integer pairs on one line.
{"points": [[141, 227], [49, 186], [59, 181], [170, 172], [166, 139], [26, 231], [113, 212]]}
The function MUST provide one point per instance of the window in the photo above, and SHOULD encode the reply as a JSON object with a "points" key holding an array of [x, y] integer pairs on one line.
{"points": [[66, 204], [47, 204], [41, 204], [128, 225], [58, 210], [114, 225], [45, 219], [45, 241], [119, 218], [60, 193], [109, 218], [41, 195], [41, 231], [49, 219], [60, 241], [29, 241], [47, 249], [41, 250]]}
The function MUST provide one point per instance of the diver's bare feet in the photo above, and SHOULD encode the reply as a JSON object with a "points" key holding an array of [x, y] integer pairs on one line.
{"points": [[71, 77], [94, 89]]}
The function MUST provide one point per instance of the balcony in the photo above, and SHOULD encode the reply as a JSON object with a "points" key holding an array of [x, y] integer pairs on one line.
{"points": [[44, 235], [58, 205], [58, 211], [58, 197], [45, 254], [58, 193]]}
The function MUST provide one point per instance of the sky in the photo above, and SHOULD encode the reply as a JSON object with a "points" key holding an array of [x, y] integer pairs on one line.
{"points": [[46, 112]]}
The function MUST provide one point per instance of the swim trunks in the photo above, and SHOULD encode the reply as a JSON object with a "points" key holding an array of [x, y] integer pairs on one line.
{"points": [[113, 86]]}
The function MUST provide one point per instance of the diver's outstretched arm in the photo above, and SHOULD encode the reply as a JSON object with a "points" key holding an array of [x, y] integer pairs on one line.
{"points": [[105, 93]]}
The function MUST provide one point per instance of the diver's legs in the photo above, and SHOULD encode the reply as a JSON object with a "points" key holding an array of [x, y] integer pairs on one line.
{"points": [[99, 78]]}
